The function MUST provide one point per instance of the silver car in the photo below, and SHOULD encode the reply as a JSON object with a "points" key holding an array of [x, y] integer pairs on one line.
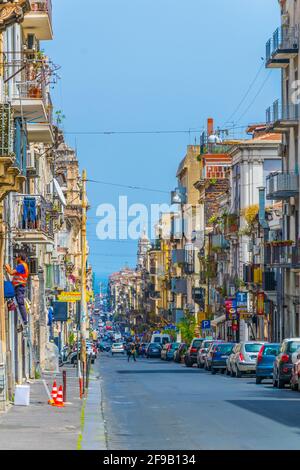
{"points": [[229, 361], [244, 357], [201, 355]]}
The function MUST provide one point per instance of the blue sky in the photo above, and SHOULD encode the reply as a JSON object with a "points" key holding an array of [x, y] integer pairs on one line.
{"points": [[135, 65]]}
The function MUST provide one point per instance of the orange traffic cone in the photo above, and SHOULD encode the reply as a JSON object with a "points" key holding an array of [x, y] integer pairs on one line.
{"points": [[59, 399], [53, 394]]}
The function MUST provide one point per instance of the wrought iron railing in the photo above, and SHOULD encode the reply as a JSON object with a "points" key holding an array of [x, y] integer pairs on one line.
{"points": [[285, 38]]}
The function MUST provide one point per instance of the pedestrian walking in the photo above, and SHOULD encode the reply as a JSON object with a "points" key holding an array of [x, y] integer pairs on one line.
{"points": [[20, 277], [132, 352]]}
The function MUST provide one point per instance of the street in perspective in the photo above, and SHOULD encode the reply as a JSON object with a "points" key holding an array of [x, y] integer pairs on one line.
{"points": [[149, 227]]}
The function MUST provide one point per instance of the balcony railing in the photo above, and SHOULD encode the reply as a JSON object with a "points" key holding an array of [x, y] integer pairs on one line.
{"points": [[283, 46], [31, 220], [219, 242], [6, 130], [179, 286], [282, 256], [282, 186], [282, 116]]}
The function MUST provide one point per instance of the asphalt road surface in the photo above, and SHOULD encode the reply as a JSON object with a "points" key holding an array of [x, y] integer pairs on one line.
{"points": [[156, 405]]}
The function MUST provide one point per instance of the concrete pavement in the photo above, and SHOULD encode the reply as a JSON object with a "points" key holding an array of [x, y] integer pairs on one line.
{"points": [[155, 405], [40, 426]]}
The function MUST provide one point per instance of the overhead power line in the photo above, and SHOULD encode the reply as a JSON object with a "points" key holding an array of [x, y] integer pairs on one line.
{"points": [[255, 97], [246, 94], [140, 188]]}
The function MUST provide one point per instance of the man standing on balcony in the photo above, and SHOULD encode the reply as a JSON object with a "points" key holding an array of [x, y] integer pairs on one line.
{"points": [[20, 277]]}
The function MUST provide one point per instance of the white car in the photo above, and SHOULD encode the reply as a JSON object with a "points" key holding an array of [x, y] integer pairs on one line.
{"points": [[117, 348]]}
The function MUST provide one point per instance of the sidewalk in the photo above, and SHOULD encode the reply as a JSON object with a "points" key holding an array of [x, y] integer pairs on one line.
{"points": [[41, 426], [94, 433]]}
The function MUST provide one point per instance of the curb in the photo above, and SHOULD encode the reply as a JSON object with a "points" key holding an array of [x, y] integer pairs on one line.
{"points": [[93, 435]]}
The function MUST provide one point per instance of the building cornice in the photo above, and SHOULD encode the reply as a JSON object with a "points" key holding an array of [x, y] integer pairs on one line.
{"points": [[12, 12]]}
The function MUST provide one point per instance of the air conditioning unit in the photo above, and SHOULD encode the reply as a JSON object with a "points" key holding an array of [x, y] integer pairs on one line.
{"points": [[32, 164], [33, 265]]}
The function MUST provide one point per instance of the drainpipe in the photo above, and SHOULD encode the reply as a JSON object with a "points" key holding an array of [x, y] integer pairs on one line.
{"points": [[263, 223]]}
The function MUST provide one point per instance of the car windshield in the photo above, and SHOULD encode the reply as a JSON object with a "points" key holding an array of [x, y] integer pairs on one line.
{"points": [[293, 346], [174, 345], [154, 346], [253, 347], [197, 343], [224, 348], [117, 345], [271, 350]]}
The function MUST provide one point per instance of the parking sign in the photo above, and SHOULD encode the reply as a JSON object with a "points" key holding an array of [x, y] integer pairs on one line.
{"points": [[205, 325]]}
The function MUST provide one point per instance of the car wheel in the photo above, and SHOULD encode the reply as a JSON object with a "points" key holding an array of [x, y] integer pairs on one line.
{"points": [[294, 387], [227, 372], [238, 373], [281, 383], [258, 380], [213, 371], [274, 382]]}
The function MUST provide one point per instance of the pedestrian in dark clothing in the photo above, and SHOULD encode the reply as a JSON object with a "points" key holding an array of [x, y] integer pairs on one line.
{"points": [[132, 352]]}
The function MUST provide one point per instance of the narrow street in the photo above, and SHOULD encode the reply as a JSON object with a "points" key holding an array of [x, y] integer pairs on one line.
{"points": [[152, 404]]}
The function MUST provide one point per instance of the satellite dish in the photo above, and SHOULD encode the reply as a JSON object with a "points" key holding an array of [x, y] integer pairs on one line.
{"points": [[59, 192], [214, 139]]}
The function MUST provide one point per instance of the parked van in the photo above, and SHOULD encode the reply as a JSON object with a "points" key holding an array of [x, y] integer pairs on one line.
{"points": [[160, 338]]}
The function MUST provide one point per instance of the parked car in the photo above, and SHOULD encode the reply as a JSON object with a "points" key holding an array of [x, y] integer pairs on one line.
{"points": [[209, 354], [143, 348], [229, 361], [167, 352], [283, 364], [190, 357], [265, 361], [180, 352], [295, 379], [202, 352], [244, 357], [153, 350], [220, 353], [117, 348]]}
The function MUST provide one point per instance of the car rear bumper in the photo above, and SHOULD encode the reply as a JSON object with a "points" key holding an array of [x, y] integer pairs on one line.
{"points": [[264, 372], [247, 367], [218, 364]]}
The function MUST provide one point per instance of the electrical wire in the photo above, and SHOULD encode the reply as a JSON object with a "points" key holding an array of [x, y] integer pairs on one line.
{"points": [[139, 188], [255, 97], [246, 94]]}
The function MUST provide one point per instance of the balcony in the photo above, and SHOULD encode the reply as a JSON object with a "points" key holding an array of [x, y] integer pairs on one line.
{"points": [[39, 20], [185, 259], [42, 131], [282, 256], [282, 186], [179, 286], [219, 242], [282, 118], [283, 46], [31, 221], [30, 101], [198, 295]]}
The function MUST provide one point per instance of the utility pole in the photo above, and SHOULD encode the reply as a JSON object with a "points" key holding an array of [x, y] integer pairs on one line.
{"points": [[83, 272]]}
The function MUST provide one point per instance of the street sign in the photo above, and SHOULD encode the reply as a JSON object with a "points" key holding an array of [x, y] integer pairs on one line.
{"points": [[71, 297], [205, 325]]}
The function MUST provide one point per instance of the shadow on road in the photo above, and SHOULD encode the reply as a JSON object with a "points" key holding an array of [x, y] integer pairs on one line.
{"points": [[281, 411], [160, 371]]}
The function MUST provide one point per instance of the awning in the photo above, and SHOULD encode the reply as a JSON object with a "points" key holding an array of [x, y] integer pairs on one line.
{"points": [[59, 192], [218, 320]]}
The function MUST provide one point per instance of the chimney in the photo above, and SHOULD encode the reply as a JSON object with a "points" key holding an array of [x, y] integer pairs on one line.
{"points": [[210, 126]]}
